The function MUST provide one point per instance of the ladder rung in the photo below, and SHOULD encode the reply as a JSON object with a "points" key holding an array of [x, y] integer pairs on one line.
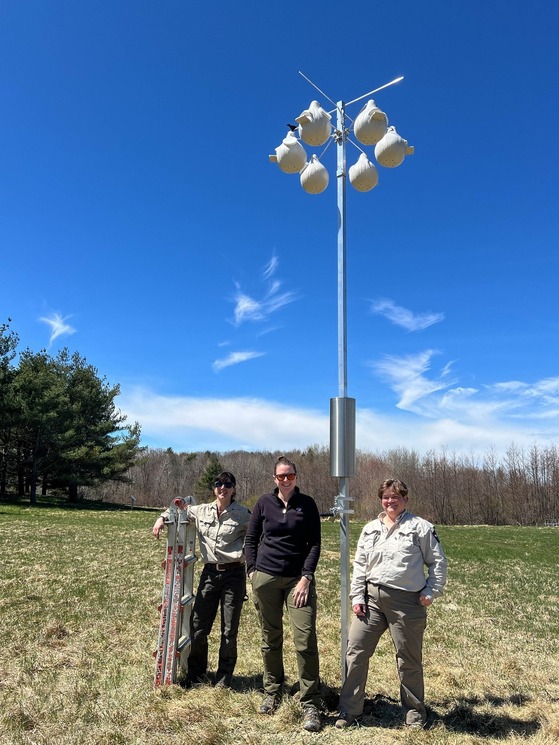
{"points": [[183, 642]]}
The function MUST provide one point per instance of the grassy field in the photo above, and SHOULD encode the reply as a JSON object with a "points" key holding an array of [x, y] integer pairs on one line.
{"points": [[79, 590]]}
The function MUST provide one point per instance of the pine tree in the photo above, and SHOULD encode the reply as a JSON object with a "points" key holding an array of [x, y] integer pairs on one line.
{"points": [[8, 410], [70, 432], [204, 485]]}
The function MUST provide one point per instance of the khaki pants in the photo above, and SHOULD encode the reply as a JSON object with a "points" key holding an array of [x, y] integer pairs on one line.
{"points": [[271, 594], [402, 614]]}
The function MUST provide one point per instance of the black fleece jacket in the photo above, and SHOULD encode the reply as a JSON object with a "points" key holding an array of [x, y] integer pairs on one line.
{"points": [[283, 541]]}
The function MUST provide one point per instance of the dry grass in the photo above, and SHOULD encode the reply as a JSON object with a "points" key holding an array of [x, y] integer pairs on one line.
{"points": [[79, 622]]}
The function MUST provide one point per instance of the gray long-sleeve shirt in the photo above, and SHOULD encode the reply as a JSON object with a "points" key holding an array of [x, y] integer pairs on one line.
{"points": [[397, 556]]}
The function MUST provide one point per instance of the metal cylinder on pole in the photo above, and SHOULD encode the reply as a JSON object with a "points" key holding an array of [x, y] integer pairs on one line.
{"points": [[342, 437]]}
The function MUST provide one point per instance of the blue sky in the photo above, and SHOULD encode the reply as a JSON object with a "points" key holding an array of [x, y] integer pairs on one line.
{"points": [[142, 224]]}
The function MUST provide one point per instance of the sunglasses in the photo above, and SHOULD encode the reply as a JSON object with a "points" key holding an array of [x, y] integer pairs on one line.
{"points": [[282, 476], [226, 484]]}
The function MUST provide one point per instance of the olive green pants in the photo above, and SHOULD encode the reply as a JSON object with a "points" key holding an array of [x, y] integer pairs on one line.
{"points": [[271, 595]]}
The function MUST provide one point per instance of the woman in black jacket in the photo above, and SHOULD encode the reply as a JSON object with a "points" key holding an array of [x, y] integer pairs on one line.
{"points": [[282, 549]]}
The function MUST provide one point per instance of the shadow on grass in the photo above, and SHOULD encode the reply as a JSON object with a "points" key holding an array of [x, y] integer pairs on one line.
{"points": [[244, 683], [55, 501], [459, 716], [239, 684]]}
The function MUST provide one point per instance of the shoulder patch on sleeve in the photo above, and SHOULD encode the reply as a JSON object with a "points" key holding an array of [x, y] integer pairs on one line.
{"points": [[435, 536]]}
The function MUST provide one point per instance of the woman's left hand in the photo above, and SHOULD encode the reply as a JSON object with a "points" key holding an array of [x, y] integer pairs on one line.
{"points": [[301, 592], [425, 600]]}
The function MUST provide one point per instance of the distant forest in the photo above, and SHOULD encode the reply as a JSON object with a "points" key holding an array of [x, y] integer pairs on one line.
{"points": [[521, 487]]}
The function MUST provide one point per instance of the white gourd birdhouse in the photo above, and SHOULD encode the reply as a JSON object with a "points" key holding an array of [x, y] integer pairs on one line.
{"points": [[314, 176], [392, 149], [363, 175], [290, 155], [314, 124], [370, 125]]}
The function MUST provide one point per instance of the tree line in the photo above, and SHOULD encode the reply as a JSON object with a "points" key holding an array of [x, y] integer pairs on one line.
{"points": [[59, 425], [521, 487]]}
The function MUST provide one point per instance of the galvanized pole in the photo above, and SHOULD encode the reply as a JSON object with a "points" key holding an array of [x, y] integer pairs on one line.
{"points": [[342, 411], [342, 373], [341, 138]]}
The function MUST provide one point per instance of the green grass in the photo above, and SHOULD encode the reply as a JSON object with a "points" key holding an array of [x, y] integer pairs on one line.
{"points": [[79, 624]]}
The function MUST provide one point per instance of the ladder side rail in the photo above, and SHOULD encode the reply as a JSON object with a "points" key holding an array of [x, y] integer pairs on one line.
{"points": [[165, 607]]}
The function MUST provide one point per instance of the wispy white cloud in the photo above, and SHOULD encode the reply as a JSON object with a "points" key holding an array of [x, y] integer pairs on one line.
{"points": [[407, 377], [235, 358], [404, 317], [267, 330], [541, 398], [259, 309], [248, 308], [271, 267], [58, 326], [492, 413], [437, 395]]}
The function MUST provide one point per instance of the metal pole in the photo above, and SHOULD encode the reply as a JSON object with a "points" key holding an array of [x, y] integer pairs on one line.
{"points": [[342, 293], [342, 379]]}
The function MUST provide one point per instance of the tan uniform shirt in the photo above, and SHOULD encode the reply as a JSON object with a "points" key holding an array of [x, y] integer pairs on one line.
{"points": [[221, 539], [397, 558]]}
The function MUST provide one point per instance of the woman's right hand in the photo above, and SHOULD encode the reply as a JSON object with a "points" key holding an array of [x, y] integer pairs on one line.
{"points": [[158, 526], [359, 610]]}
